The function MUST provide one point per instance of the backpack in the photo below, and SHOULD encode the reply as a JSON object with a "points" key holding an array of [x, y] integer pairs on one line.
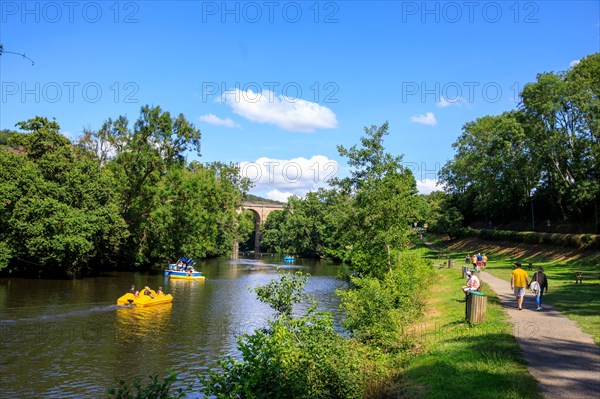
{"points": [[534, 287]]}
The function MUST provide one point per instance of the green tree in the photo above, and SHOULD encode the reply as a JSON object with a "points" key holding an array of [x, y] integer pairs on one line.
{"points": [[378, 310], [5, 135], [566, 145], [139, 158], [281, 295], [545, 154], [493, 166], [307, 226], [60, 214], [384, 202], [273, 234], [195, 213]]}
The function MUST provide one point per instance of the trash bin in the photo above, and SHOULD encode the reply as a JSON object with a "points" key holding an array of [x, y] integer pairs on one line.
{"points": [[464, 271], [450, 263], [476, 306]]}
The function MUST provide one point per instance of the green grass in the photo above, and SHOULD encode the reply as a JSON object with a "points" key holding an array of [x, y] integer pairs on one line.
{"points": [[459, 360], [579, 302]]}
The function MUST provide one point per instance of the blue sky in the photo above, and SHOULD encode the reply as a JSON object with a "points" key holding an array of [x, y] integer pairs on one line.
{"points": [[276, 85]]}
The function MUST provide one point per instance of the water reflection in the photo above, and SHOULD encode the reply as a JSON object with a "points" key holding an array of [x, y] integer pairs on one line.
{"points": [[149, 323], [67, 338]]}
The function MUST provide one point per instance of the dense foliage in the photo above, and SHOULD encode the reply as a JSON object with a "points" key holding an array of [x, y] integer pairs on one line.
{"points": [[294, 357], [120, 197], [363, 219], [378, 310], [538, 163]]}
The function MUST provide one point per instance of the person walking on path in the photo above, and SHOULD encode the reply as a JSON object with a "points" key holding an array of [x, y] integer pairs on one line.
{"points": [[518, 282], [542, 281], [564, 359], [479, 261]]}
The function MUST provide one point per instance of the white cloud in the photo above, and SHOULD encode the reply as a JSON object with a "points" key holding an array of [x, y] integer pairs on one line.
{"points": [[427, 119], [287, 113], [277, 195], [573, 63], [68, 135], [280, 178], [215, 120], [443, 103], [427, 186]]}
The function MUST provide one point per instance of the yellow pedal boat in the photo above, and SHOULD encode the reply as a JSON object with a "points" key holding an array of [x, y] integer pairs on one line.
{"points": [[144, 300]]}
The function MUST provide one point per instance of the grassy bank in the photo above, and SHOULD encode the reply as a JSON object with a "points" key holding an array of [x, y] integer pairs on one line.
{"points": [[457, 360], [579, 302]]}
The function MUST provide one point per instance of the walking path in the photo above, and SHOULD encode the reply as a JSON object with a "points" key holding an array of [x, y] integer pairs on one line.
{"points": [[565, 360]]}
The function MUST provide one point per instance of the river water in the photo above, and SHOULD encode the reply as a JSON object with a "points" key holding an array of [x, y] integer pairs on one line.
{"points": [[68, 339]]}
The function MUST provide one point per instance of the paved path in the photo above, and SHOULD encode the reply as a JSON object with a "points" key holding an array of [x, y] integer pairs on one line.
{"points": [[565, 360]]}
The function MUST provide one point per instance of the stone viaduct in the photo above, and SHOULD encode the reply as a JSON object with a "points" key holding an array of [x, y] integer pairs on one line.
{"points": [[261, 210]]}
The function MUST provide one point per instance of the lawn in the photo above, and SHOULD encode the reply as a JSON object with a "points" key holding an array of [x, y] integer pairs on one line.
{"points": [[579, 302], [458, 360]]}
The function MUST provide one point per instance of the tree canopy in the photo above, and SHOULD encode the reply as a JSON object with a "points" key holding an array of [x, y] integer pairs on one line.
{"points": [[120, 197], [546, 154]]}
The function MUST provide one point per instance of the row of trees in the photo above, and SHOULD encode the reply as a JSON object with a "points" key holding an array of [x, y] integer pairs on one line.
{"points": [[545, 155], [120, 197]]}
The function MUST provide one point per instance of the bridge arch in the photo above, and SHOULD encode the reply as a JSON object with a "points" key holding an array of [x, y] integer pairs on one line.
{"points": [[261, 210]]}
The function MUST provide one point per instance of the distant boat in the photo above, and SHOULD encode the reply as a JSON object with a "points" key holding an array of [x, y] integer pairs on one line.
{"points": [[184, 269], [189, 275]]}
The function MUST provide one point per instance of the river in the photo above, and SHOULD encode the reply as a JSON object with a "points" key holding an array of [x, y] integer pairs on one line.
{"points": [[68, 339]]}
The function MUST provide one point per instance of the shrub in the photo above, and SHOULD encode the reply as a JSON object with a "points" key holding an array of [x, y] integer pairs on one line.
{"points": [[283, 294], [295, 357], [377, 311], [154, 389]]}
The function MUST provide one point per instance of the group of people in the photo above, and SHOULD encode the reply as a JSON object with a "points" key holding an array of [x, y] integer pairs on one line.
{"points": [[519, 281], [478, 261], [185, 265], [146, 291]]}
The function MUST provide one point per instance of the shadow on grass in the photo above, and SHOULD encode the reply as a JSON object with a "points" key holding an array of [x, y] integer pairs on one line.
{"points": [[567, 274], [576, 299], [474, 366]]}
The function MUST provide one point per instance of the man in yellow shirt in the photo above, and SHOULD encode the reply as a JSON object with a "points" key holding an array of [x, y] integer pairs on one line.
{"points": [[518, 282]]}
